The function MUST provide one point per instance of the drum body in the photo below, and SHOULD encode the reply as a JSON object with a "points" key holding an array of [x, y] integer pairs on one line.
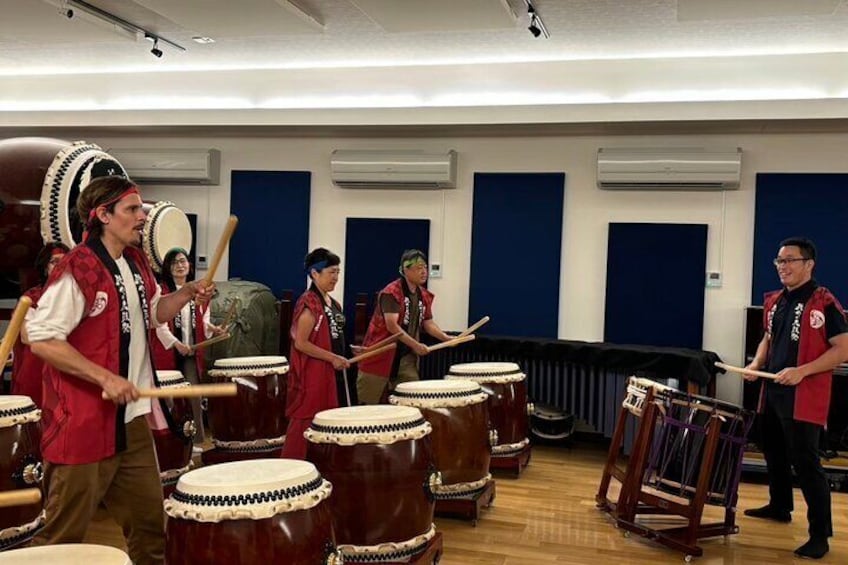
{"points": [[460, 442], [378, 460], [252, 513], [678, 454], [165, 228], [506, 386], [40, 181], [173, 452], [66, 554], [254, 419], [20, 467]]}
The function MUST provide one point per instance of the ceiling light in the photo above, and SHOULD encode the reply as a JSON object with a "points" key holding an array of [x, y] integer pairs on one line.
{"points": [[202, 39]]}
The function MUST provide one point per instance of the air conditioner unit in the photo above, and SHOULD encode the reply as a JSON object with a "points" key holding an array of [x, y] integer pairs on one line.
{"points": [[393, 169], [171, 166], [669, 168]]}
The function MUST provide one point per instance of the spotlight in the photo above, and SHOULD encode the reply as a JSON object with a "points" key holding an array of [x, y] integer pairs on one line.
{"points": [[69, 13], [534, 28], [156, 52], [537, 26]]}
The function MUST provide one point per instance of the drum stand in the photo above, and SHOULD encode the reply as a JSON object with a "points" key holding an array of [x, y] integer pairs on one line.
{"points": [[634, 499], [515, 462], [467, 508]]}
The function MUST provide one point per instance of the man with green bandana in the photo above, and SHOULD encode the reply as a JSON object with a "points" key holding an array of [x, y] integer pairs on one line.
{"points": [[404, 306]]}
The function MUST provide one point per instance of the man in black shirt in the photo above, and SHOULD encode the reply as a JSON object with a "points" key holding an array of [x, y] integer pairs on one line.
{"points": [[806, 337]]}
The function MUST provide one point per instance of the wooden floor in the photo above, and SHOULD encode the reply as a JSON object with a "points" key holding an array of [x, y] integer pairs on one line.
{"points": [[548, 515]]}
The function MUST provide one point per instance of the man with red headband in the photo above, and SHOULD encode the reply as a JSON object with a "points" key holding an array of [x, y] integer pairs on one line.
{"points": [[91, 328], [405, 306], [27, 368]]}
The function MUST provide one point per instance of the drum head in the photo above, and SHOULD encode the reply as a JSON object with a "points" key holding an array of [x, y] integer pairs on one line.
{"points": [[438, 393], [17, 409], [257, 366], [488, 372], [66, 554], [165, 228], [353, 425], [71, 171], [256, 488], [168, 379]]}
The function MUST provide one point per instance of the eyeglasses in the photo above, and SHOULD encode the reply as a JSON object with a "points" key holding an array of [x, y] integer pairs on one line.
{"points": [[781, 262], [181, 261]]}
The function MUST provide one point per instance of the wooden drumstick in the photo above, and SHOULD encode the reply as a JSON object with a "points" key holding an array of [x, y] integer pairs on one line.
{"points": [[744, 371], [193, 391], [381, 343], [11, 335], [483, 321], [20, 497], [451, 343], [223, 243], [372, 353], [211, 341]]}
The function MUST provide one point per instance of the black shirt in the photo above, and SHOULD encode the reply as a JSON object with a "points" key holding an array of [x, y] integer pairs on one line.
{"points": [[785, 336]]}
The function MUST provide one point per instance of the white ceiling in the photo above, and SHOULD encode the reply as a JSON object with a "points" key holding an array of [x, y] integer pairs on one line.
{"points": [[285, 55]]}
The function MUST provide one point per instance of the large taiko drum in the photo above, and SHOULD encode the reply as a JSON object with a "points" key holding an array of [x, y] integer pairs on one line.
{"points": [[378, 459], [253, 421], [506, 385], [251, 512], [165, 228], [460, 441], [678, 454], [66, 554], [40, 181], [173, 452], [20, 467]]}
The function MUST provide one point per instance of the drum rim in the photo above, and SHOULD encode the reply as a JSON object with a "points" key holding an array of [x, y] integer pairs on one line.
{"points": [[148, 240]]}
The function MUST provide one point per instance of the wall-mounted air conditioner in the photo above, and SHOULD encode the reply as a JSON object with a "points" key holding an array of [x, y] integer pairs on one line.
{"points": [[669, 168], [393, 169], [171, 166]]}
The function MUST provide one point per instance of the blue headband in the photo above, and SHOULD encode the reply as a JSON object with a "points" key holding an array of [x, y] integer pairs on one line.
{"points": [[319, 266]]}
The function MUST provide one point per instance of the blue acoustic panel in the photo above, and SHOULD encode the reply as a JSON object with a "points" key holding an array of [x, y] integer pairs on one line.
{"points": [[373, 247], [273, 232], [801, 204], [515, 252], [655, 284]]}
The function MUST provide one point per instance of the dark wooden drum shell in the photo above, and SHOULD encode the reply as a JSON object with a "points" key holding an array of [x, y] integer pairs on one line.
{"points": [[300, 537], [380, 492], [508, 410], [258, 411], [40, 181], [20, 468], [460, 442]]}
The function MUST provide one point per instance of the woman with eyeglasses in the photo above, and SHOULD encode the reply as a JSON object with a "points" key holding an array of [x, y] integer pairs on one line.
{"points": [[317, 379], [191, 326], [26, 367]]}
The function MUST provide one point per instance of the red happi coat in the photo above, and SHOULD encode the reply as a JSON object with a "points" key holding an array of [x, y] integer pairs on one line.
{"points": [[382, 365], [311, 382], [27, 368], [78, 425], [812, 394]]}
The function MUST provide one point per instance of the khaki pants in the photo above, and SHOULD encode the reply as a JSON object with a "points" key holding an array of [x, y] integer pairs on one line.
{"points": [[370, 388], [128, 486]]}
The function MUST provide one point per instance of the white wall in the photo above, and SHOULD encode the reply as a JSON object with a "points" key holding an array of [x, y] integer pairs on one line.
{"points": [[587, 212]]}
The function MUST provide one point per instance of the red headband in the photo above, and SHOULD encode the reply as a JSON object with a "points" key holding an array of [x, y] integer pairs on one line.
{"points": [[127, 192], [57, 251]]}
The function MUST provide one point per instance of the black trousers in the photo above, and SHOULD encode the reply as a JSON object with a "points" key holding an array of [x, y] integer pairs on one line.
{"points": [[789, 444]]}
